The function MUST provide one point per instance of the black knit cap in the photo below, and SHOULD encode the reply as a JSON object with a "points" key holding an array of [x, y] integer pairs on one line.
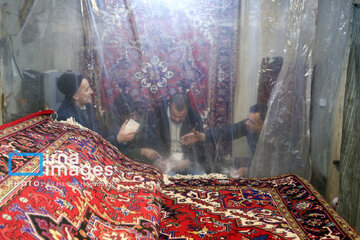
{"points": [[68, 83]]}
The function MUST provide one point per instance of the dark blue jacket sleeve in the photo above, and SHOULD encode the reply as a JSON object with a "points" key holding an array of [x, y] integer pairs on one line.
{"points": [[227, 133]]}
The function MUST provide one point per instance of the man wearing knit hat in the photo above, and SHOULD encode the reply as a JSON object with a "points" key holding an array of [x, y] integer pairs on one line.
{"points": [[77, 102]]}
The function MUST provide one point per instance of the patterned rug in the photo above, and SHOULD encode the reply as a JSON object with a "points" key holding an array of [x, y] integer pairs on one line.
{"points": [[60, 181], [283, 207], [87, 202]]}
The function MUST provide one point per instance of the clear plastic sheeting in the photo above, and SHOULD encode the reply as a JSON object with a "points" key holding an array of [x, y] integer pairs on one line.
{"points": [[150, 50], [225, 56], [39, 38], [330, 59], [284, 142]]}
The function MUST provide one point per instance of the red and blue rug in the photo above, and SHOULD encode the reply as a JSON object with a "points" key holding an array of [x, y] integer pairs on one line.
{"points": [[61, 181]]}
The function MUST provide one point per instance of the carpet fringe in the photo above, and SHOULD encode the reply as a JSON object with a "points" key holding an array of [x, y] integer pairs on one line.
{"points": [[168, 179], [73, 122]]}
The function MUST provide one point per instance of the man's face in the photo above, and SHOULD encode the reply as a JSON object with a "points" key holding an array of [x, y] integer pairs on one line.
{"points": [[178, 116], [83, 94], [254, 123]]}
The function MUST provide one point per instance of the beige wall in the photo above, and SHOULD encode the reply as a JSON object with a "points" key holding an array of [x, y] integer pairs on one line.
{"points": [[332, 185]]}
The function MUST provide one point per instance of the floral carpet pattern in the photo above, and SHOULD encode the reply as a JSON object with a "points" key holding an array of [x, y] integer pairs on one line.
{"points": [[283, 207], [59, 205], [60, 181], [152, 49]]}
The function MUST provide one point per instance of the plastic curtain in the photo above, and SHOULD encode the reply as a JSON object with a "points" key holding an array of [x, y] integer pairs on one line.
{"points": [[225, 55], [150, 50], [284, 141]]}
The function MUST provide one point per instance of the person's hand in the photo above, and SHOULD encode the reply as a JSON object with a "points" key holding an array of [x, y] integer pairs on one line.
{"points": [[123, 136], [243, 171], [161, 164], [180, 165], [240, 172], [192, 137], [150, 154]]}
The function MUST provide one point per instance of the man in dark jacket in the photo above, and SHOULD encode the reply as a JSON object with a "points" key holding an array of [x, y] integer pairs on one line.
{"points": [[77, 103], [170, 121], [134, 144], [250, 127]]}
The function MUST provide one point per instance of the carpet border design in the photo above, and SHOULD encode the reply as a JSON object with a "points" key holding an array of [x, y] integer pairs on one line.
{"points": [[274, 194], [342, 223]]}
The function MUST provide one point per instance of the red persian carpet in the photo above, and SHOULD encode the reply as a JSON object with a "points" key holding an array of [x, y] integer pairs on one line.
{"points": [[283, 207], [84, 202], [60, 181]]}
